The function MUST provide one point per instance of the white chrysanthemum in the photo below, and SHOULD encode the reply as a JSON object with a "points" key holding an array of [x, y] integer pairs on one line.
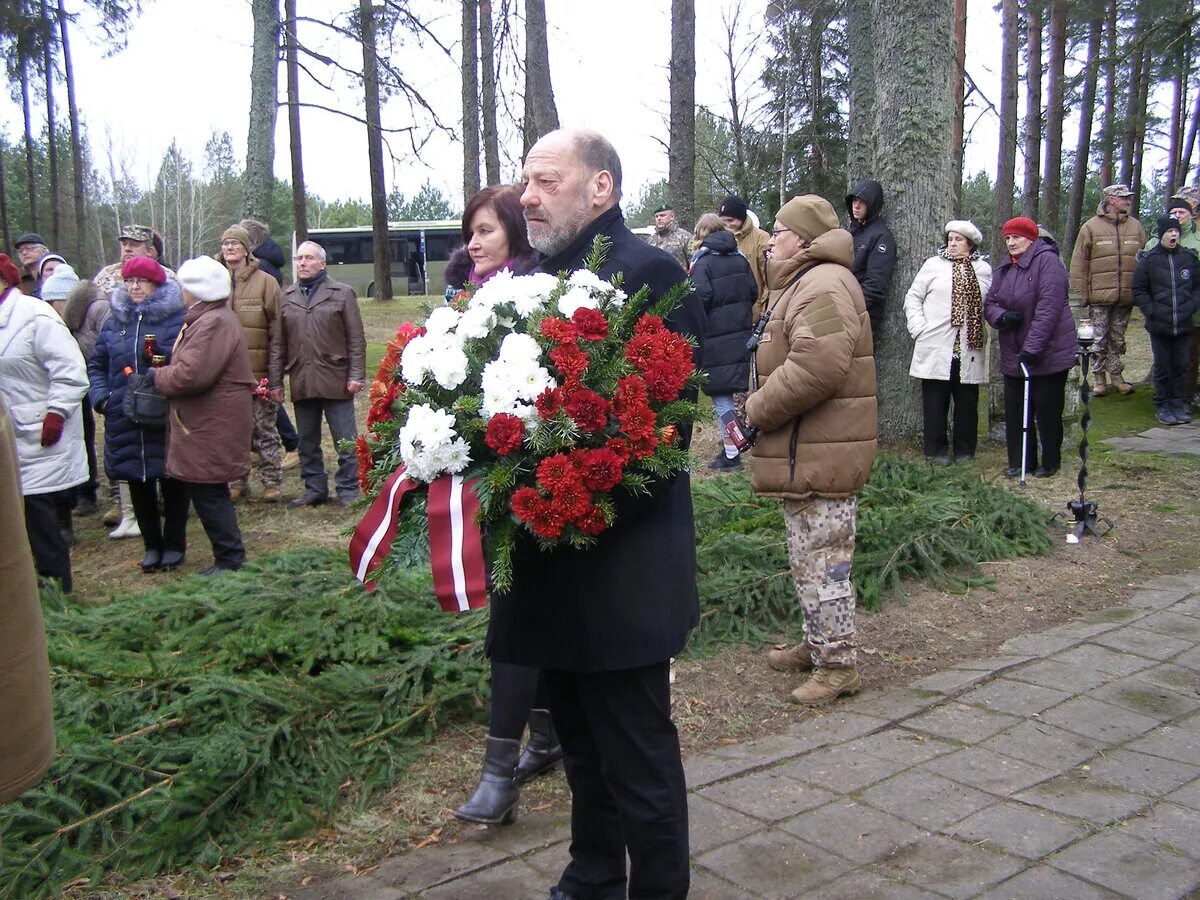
{"points": [[455, 456], [476, 322], [494, 291], [449, 367], [441, 322], [427, 426], [588, 280], [519, 348], [618, 298], [414, 363], [576, 298]]}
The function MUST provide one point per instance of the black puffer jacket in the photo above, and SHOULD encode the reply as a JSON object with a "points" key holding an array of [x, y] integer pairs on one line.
{"points": [[1166, 290], [874, 250], [725, 285], [270, 259]]}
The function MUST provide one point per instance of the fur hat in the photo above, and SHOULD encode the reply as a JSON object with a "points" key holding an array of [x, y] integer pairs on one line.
{"points": [[9, 272], [734, 207], [966, 228], [808, 217], [204, 279], [1023, 226], [239, 234], [143, 267], [60, 284], [1165, 224]]}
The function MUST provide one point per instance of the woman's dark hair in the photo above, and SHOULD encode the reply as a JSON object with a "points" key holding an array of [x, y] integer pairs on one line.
{"points": [[506, 201]]}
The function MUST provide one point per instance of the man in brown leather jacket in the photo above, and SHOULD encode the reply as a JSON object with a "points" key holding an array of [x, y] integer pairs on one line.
{"points": [[320, 344]]}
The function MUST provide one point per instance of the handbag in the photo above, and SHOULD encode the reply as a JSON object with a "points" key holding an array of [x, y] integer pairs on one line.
{"points": [[144, 405]]}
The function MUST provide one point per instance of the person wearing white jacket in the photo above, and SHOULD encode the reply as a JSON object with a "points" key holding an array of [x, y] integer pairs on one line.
{"points": [[944, 309], [43, 379]]}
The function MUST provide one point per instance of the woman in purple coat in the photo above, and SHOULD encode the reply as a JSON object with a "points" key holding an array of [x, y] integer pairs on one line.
{"points": [[1027, 304]]}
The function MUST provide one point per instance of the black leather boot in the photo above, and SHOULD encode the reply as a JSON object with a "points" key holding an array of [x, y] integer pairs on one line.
{"points": [[542, 751], [495, 799]]}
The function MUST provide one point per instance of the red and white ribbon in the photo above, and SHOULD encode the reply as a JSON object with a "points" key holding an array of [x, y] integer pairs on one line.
{"points": [[372, 540], [455, 545]]}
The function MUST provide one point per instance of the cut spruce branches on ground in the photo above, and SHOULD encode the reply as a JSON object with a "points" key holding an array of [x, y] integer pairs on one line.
{"points": [[210, 717]]}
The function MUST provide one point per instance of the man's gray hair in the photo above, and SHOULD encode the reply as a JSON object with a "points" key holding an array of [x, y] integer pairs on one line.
{"points": [[257, 230], [318, 250], [597, 154]]}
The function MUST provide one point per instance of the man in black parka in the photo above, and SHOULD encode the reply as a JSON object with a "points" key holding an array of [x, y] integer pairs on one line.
{"points": [[874, 248], [603, 623]]}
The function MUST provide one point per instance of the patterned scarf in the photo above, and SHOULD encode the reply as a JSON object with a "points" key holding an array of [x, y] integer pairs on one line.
{"points": [[966, 303]]}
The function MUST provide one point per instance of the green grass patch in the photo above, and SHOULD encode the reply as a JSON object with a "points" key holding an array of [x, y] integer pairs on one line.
{"points": [[212, 716], [1114, 415]]}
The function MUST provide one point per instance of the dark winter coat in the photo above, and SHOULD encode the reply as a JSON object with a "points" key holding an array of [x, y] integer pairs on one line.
{"points": [[132, 453], [874, 250], [1035, 285], [630, 600], [1166, 289], [209, 388], [318, 342], [270, 259], [725, 285]]}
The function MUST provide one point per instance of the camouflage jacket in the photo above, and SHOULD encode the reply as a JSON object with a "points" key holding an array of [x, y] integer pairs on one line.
{"points": [[675, 241]]}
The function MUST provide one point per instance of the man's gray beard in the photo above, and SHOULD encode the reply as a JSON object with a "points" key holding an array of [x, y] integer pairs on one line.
{"points": [[559, 236]]}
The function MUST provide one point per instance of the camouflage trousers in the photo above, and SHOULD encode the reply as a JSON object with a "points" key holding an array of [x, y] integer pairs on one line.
{"points": [[1109, 324], [820, 536], [264, 440]]}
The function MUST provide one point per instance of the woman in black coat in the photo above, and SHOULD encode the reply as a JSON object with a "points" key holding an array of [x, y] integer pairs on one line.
{"points": [[725, 285]]}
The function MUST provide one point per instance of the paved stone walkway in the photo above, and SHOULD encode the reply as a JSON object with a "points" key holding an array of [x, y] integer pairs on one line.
{"points": [[1067, 766], [1178, 440]]}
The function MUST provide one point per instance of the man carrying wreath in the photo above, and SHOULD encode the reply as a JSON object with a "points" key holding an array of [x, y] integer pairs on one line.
{"points": [[602, 623]]}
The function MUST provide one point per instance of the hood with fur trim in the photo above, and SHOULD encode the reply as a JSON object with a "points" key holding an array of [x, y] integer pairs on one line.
{"points": [[166, 299]]}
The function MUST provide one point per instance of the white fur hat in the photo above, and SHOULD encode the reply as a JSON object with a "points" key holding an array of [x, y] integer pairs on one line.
{"points": [[204, 279], [966, 229]]}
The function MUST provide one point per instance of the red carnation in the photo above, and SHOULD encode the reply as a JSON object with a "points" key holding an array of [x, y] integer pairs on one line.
{"points": [[558, 330], [649, 325], [504, 433], [547, 522], [637, 421], [592, 522], [631, 391], [525, 503], [590, 323], [570, 360], [619, 446], [548, 403], [643, 445], [587, 409], [642, 351], [665, 382], [571, 503], [558, 473], [602, 469]]}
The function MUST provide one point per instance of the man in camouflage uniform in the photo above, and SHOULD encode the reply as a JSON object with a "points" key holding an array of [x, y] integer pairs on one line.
{"points": [[670, 237], [813, 402], [136, 240]]}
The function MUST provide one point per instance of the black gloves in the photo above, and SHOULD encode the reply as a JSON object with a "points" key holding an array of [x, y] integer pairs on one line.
{"points": [[1027, 358], [1010, 321]]}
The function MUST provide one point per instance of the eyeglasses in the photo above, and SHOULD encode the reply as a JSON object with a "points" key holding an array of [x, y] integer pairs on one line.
{"points": [[225, 244], [778, 231], [139, 282]]}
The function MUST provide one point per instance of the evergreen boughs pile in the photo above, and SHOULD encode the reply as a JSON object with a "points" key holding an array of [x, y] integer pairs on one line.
{"points": [[209, 716]]}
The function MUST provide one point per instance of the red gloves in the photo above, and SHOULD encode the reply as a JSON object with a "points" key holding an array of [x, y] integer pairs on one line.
{"points": [[52, 429]]}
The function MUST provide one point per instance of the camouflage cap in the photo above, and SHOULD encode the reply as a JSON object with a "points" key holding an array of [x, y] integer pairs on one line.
{"points": [[1117, 190], [137, 233]]}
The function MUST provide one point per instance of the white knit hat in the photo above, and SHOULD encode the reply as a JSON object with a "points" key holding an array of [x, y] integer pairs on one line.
{"points": [[966, 229], [204, 279], [59, 285]]}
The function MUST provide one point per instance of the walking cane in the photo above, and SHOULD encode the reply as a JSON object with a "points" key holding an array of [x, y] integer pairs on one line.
{"points": [[1025, 425]]}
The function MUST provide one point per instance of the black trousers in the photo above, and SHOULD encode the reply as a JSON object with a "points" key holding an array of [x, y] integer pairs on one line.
{"points": [[622, 760], [287, 431], [936, 397], [170, 531], [1170, 367], [1046, 396], [216, 514], [515, 691], [87, 490], [51, 553]]}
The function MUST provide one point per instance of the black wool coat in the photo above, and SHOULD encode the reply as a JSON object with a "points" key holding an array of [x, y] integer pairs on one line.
{"points": [[631, 599], [1166, 289], [726, 287]]}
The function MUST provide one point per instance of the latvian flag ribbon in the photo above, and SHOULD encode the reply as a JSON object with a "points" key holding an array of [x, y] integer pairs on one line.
{"points": [[455, 544]]}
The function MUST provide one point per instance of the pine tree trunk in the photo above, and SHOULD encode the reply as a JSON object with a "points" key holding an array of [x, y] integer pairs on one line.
{"points": [[30, 177], [859, 36], [1083, 143], [51, 132], [681, 155], [487, 65], [1108, 128], [1139, 136], [960, 68], [76, 138], [1178, 100], [5, 234], [379, 221], [1190, 143], [913, 103], [541, 115], [1006, 164], [264, 100], [470, 98], [1130, 130], [295, 144], [1052, 186], [1033, 109]]}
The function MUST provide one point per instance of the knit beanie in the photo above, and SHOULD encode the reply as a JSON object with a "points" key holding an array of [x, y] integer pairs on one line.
{"points": [[1022, 226], [966, 229], [734, 207], [1179, 203], [144, 267], [237, 233], [49, 257], [1165, 224], [9, 272], [204, 279], [60, 284], [808, 217]]}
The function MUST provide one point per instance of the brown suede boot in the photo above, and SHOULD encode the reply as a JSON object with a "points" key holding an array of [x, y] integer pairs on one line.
{"points": [[1122, 386], [1100, 388], [790, 659], [827, 685]]}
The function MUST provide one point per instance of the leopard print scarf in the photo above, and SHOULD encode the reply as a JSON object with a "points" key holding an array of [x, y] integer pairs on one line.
{"points": [[966, 302]]}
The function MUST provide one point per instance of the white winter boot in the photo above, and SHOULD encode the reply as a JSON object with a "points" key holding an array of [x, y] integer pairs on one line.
{"points": [[128, 526]]}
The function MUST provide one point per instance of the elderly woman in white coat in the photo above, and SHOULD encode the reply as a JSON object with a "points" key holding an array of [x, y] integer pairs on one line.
{"points": [[944, 308]]}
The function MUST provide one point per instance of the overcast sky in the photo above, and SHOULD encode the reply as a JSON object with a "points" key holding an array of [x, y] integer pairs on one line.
{"points": [[186, 72]]}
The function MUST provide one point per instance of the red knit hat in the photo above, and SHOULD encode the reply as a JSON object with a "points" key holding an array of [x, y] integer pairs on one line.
{"points": [[9, 272], [143, 267], [1021, 225]]}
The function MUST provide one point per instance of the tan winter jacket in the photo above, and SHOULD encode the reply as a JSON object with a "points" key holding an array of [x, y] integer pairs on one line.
{"points": [[814, 402], [1105, 257], [255, 299], [752, 244]]}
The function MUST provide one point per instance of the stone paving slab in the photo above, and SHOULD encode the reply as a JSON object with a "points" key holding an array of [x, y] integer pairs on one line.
{"points": [[1066, 765]]}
